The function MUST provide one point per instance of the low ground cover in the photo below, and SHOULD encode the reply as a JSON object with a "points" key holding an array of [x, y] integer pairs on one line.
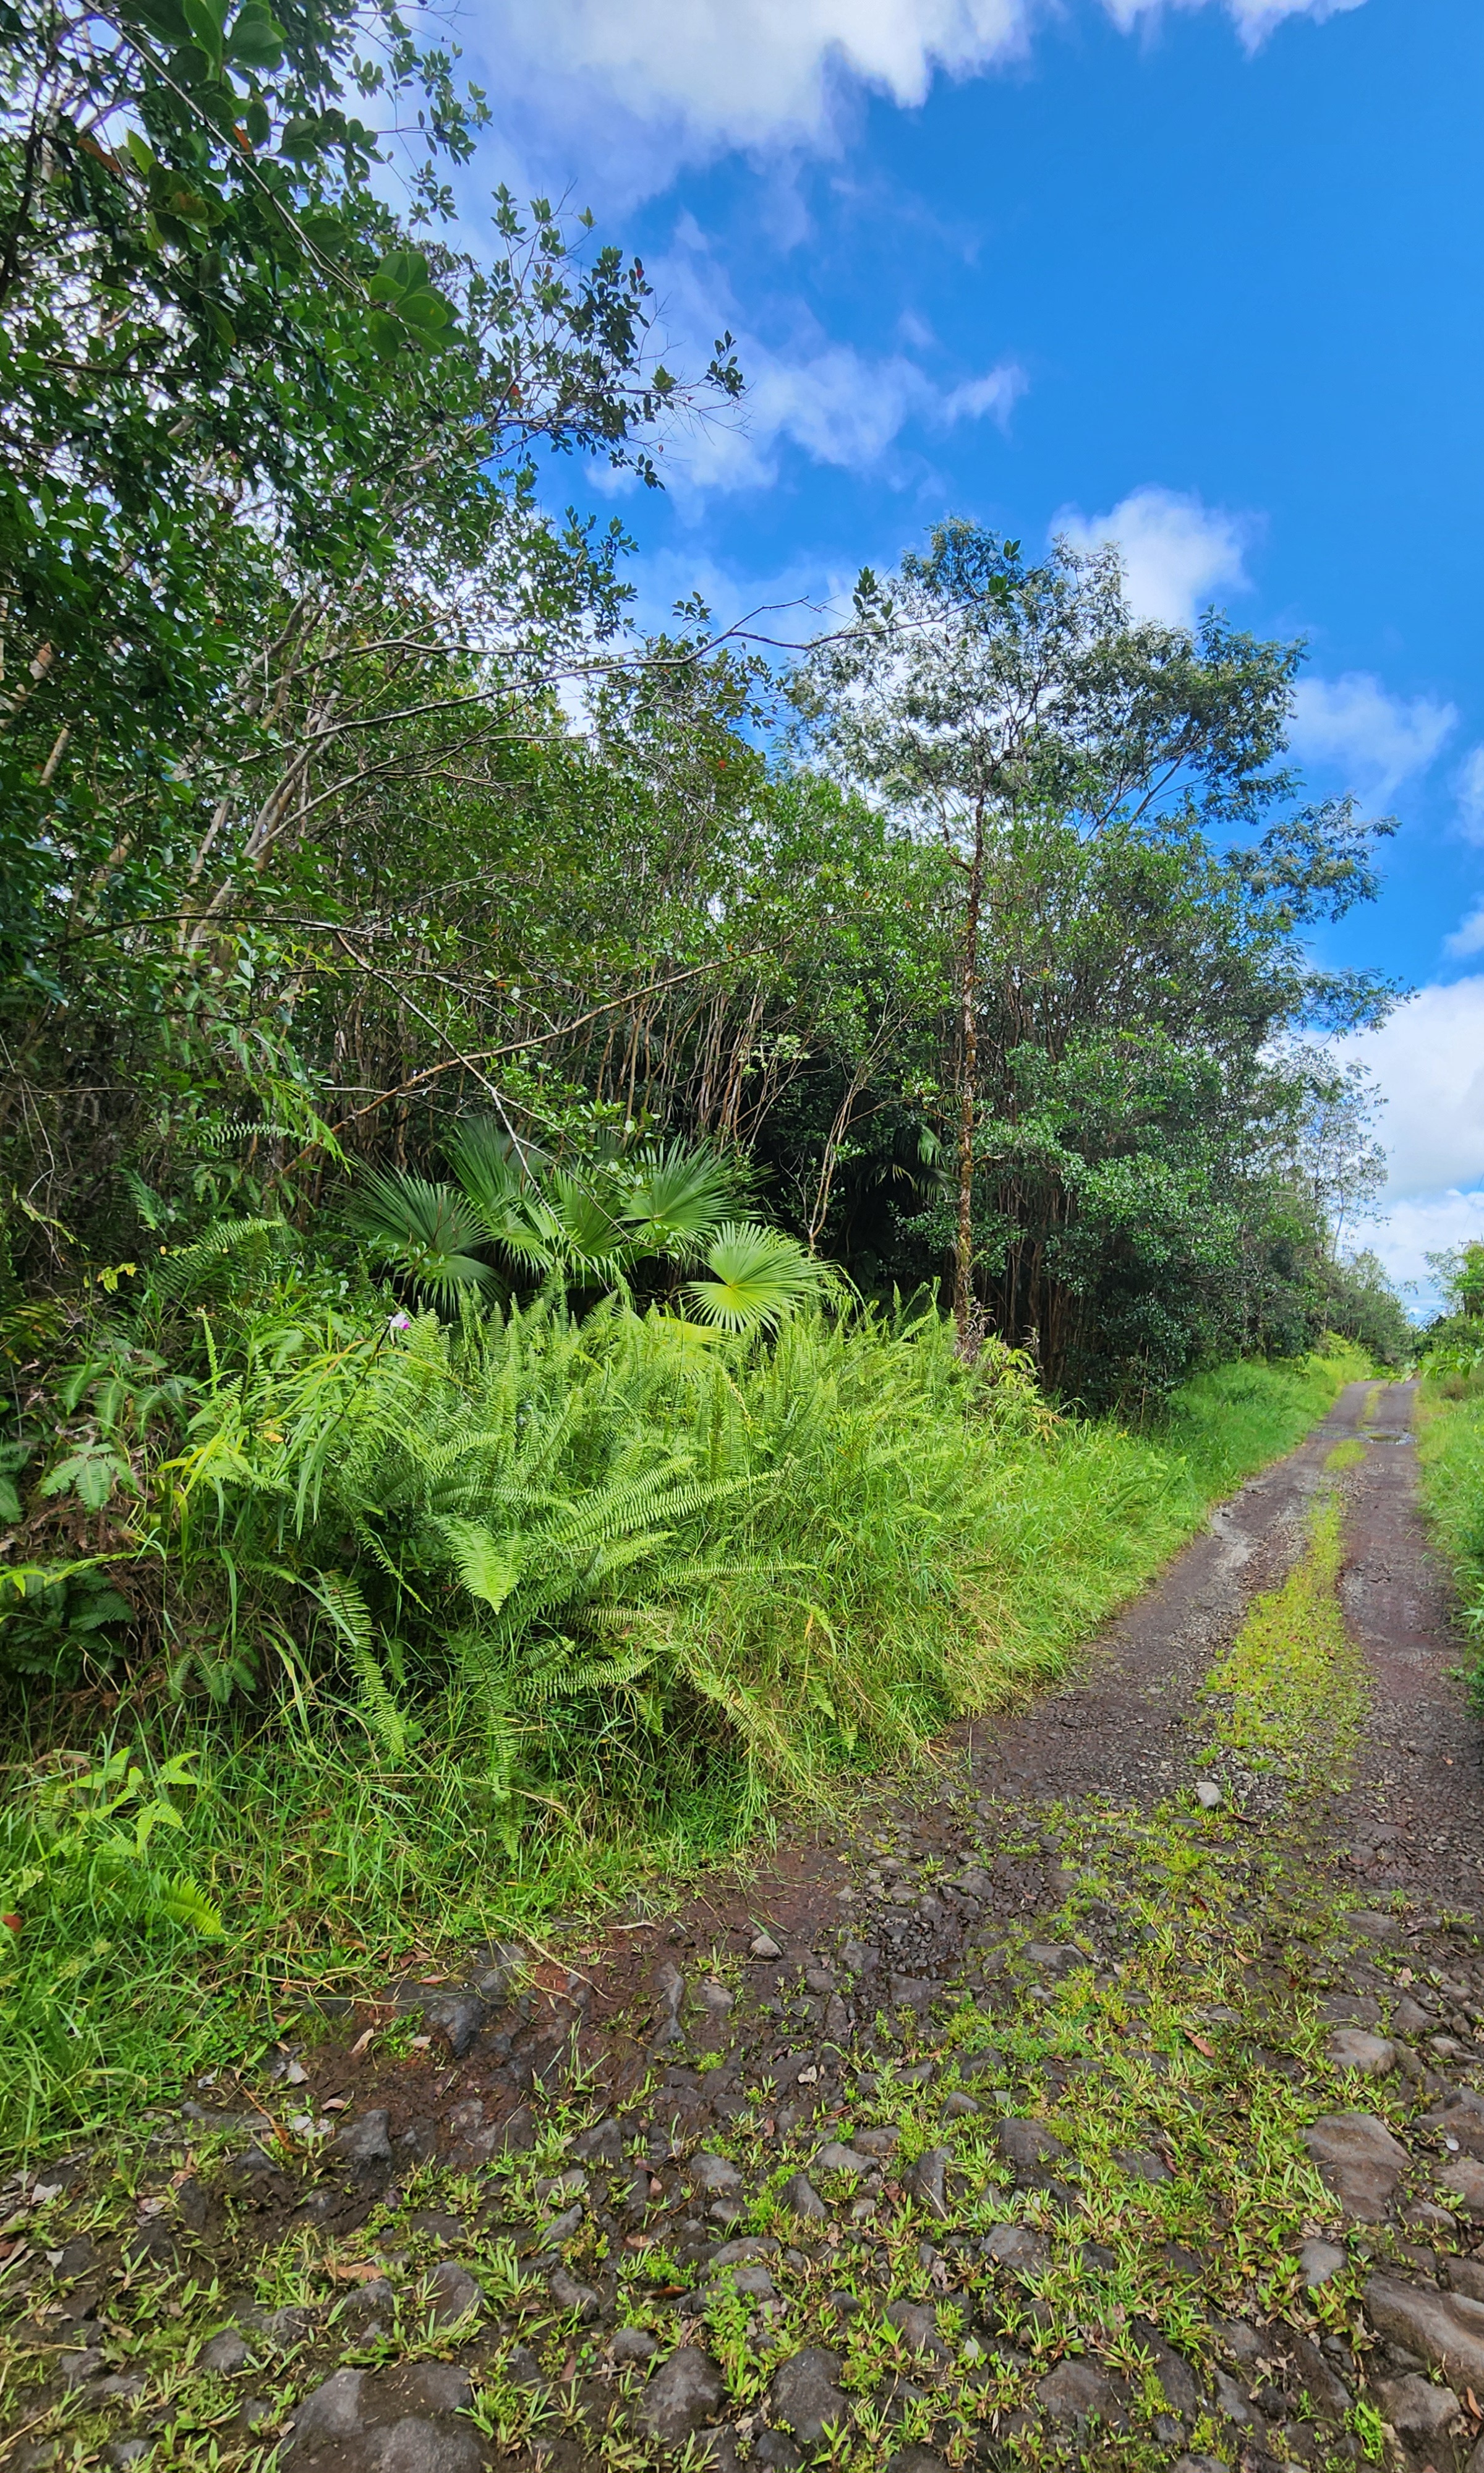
{"points": [[810, 1557], [1089, 2201], [1452, 1454]]}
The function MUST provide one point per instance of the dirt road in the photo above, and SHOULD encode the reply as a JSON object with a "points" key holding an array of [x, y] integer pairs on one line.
{"points": [[1072, 2110]]}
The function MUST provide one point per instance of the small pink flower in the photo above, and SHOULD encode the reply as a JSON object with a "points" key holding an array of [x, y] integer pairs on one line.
{"points": [[398, 1322]]}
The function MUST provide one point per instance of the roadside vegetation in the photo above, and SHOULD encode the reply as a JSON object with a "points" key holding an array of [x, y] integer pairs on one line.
{"points": [[599, 1233], [1452, 1439]]}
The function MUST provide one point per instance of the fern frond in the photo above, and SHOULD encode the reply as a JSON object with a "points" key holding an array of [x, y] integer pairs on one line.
{"points": [[489, 1566], [178, 1271]]}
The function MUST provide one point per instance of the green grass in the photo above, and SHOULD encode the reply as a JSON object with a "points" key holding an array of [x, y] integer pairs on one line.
{"points": [[1450, 1449], [910, 1544]]}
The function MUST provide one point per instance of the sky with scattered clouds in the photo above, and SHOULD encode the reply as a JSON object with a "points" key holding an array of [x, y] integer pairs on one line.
{"points": [[1202, 276]]}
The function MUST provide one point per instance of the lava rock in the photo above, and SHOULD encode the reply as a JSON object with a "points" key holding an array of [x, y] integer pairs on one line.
{"points": [[876, 2145], [715, 2175], [917, 2323], [364, 2141], [910, 1991], [456, 2294], [633, 2345], [683, 2394], [1141, 2164], [1370, 2056], [458, 2017], [927, 2179], [1075, 2392], [1466, 2179], [568, 2294], [1461, 2117], [1016, 2246], [764, 1945], [1054, 1957], [601, 2144], [801, 2198], [1029, 2145], [1418, 2412], [1445, 2328], [224, 2354], [835, 2158], [412, 2445], [1358, 2160], [742, 2252], [331, 2409], [1319, 2263], [804, 2394]]}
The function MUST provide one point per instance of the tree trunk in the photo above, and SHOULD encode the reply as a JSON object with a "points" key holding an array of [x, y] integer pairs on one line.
{"points": [[969, 1052]]}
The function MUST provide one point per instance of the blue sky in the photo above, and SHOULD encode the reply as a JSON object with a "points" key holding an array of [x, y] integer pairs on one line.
{"points": [[1205, 275]]}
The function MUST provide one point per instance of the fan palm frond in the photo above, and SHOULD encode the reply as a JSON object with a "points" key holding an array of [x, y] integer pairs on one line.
{"points": [[426, 1232], [757, 1275], [679, 1194]]}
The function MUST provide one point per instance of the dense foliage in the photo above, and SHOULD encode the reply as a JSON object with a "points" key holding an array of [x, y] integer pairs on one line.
{"points": [[550, 1180]]}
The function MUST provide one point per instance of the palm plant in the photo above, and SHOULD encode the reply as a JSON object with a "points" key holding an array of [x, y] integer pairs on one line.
{"points": [[583, 1228]]}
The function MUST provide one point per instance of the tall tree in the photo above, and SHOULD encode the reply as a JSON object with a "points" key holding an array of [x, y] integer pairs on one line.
{"points": [[1071, 762]]}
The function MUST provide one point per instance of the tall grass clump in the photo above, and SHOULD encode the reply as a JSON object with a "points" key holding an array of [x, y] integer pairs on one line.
{"points": [[419, 1630]]}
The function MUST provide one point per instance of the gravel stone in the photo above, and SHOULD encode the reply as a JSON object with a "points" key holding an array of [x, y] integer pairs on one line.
{"points": [[224, 2354], [633, 2345], [684, 2392], [764, 1945], [1359, 2160], [804, 2394]]}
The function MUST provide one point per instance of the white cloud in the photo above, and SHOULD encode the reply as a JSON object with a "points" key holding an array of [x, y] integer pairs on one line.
{"points": [[1412, 1230], [1177, 553], [1254, 19], [1470, 795], [1377, 740], [837, 405], [1428, 1060], [1468, 937], [640, 88]]}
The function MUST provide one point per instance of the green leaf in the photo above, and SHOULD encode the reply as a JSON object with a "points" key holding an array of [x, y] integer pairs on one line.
{"points": [[256, 39], [9, 1502]]}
